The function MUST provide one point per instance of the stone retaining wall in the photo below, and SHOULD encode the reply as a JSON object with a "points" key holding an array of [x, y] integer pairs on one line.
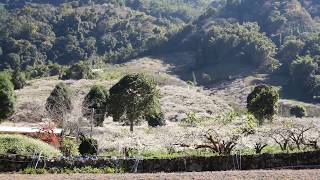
{"points": [[186, 164]]}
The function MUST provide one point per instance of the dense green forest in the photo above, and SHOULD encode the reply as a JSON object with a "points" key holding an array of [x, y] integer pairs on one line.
{"points": [[37, 33], [279, 37]]}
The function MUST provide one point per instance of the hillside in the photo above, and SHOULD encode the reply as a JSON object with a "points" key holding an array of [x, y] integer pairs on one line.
{"points": [[178, 101]]}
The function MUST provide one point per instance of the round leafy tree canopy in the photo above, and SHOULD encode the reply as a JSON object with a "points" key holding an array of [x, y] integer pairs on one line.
{"points": [[262, 102], [135, 95]]}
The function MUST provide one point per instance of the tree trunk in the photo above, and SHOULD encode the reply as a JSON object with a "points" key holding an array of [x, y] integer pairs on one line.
{"points": [[131, 125]]}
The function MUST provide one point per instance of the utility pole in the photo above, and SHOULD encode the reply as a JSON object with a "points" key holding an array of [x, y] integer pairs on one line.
{"points": [[91, 122]]}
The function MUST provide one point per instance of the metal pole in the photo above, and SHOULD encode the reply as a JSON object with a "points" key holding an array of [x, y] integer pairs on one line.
{"points": [[91, 122]]}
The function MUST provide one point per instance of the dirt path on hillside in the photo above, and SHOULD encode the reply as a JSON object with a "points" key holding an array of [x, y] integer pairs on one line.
{"points": [[279, 174]]}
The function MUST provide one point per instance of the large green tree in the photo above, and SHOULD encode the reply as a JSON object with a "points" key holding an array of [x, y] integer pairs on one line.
{"points": [[95, 104], [7, 96], [136, 96], [289, 51], [303, 71], [262, 102]]}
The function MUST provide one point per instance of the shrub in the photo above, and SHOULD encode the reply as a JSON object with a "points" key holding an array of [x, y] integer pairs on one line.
{"points": [[7, 97], [55, 69], [262, 102], [95, 104], [37, 71], [23, 145], [301, 70], [79, 71], [298, 111], [82, 170], [109, 170], [88, 146], [89, 170], [135, 95], [191, 120], [69, 148], [59, 102], [156, 120], [248, 127], [18, 79], [31, 170]]}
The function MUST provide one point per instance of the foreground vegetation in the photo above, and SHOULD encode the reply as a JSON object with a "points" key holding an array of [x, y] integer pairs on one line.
{"points": [[84, 170], [22, 145]]}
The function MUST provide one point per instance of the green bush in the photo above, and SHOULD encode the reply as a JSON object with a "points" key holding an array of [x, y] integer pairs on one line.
{"points": [[302, 72], [18, 79], [23, 145], [82, 170], [96, 100], [262, 102], [55, 69], [88, 146], [109, 170], [88, 170], [30, 170], [191, 120], [59, 102], [156, 120], [37, 71], [7, 96], [248, 127], [79, 71], [69, 147], [298, 111]]}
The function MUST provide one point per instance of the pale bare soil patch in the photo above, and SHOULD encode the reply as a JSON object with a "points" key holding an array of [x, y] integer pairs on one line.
{"points": [[232, 175]]}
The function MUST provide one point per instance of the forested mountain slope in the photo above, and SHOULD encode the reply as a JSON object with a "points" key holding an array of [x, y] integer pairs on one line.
{"points": [[229, 38], [288, 17], [184, 10], [35, 35], [40, 32], [278, 19]]}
